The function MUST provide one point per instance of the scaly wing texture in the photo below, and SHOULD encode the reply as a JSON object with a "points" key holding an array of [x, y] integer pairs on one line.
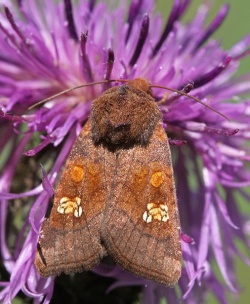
{"points": [[70, 236], [141, 229]]}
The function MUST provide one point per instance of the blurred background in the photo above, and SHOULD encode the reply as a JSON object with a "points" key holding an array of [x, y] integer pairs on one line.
{"points": [[235, 26]]}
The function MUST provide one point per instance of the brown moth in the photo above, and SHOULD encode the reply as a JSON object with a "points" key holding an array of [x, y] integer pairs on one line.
{"points": [[116, 195]]}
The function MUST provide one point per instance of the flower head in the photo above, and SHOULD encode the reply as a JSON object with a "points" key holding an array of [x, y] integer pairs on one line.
{"points": [[49, 46]]}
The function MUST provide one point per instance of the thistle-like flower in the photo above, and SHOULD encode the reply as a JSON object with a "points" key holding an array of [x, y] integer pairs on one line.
{"points": [[49, 46]]}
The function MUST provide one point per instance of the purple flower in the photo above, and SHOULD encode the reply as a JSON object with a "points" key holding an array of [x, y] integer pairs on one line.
{"points": [[49, 46]]}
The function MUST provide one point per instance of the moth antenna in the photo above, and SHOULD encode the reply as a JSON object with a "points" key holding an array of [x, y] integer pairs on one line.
{"points": [[66, 91], [75, 88], [124, 80], [192, 97]]}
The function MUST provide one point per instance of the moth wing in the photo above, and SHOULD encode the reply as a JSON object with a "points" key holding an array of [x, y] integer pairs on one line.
{"points": [[141, 229], [70, 236]]}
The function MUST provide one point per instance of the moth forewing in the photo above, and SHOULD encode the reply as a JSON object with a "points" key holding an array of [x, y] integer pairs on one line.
{"points": [[70, 236], [141, 228]]}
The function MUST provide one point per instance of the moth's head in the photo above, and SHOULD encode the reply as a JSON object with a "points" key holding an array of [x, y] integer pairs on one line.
{"points": [[125, 115], [141, 84]]}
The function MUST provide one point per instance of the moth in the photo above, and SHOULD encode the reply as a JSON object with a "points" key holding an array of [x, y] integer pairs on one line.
{"points": [[116, 195]]}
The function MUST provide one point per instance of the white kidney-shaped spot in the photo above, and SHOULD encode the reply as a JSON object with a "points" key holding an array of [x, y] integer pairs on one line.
{"points": [[157, 212], [70, 205]]}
